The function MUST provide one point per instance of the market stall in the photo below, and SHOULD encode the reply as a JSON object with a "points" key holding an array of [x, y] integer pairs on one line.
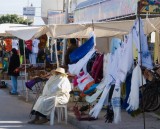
{"points": [[3, 37], [108, 29]]}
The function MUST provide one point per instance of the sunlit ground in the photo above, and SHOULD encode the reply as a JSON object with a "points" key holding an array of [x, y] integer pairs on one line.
{"points": [[8, 124]]}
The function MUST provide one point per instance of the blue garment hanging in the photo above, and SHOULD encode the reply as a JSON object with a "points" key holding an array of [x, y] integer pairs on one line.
{"points": [[80, 52]]}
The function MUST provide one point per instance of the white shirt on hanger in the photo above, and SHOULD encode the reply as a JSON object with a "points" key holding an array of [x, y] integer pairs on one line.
{"points": [[15, 43], [35, 43]]}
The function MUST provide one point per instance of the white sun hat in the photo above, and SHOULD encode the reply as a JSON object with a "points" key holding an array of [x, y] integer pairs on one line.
{"points": [[60, 70]]}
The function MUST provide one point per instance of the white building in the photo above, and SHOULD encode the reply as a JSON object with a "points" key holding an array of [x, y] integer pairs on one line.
{"points": [[53, 11]]}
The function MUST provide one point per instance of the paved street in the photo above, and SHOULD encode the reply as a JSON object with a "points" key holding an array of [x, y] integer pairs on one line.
{"points": [[127, 122], [14, 114]]}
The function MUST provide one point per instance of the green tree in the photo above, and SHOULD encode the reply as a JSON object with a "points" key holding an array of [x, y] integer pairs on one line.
{"points": [[13, 18]]}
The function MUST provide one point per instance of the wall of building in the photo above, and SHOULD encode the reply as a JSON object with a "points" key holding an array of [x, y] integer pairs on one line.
{"points": [[104, 9], [50, 6]]}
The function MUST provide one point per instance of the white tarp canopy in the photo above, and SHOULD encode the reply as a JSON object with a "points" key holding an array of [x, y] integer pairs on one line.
{"points": [[6, 26], [82, 31], [107, 29], [24, 33]]}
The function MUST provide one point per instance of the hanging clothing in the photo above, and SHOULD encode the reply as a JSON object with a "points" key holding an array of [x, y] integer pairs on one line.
{"points": [[114, 62], [94, 112], [21, 47], [68, 52], [107, 62], [35, 43], [27, 52], [140, 40], [15, 44], [33, 58], [80, 52], [84, 80], [29, 44], [97, 69], [136, 82], [91, 61], [127, 90], [103, 87], [103, 83], [91, 89], [126, 61], [120, 63], [115, 44], [116, 104], [88, 85], [8, 44], [76, 68]]}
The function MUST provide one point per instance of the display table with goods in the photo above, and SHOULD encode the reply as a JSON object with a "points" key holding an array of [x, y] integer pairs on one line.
{"points": [[78, 104], [27, 73]]}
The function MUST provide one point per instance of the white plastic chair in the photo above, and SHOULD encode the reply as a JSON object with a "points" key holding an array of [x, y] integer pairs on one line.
{"points": [[61, 112]]}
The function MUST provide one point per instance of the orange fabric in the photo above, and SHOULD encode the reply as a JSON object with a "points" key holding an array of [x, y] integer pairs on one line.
{"points": [[86, 88], [8, 44]]}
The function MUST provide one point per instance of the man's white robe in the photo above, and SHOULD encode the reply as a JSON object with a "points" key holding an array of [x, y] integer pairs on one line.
{"points": [[57, 86]]}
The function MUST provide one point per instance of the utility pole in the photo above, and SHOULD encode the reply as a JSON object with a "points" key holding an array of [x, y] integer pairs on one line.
{"points": [[66, 22], [66, 11]]}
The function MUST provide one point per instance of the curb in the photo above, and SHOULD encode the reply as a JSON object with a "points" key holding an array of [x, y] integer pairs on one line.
{"points": [[154, 115], [79, 124]]}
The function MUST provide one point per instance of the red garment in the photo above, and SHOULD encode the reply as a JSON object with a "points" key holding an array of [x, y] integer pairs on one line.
{"points": [[75, 83], [97, 69], [29, 44]]}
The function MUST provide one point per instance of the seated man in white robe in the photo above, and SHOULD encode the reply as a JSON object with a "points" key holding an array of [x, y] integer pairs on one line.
{"points": [[57, 86]]}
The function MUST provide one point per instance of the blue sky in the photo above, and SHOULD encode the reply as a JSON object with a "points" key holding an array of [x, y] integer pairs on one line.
{"points": [[16, 7]]}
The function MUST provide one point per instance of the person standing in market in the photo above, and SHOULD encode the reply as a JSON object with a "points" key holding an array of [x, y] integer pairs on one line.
{"points": [[13, 70]]}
